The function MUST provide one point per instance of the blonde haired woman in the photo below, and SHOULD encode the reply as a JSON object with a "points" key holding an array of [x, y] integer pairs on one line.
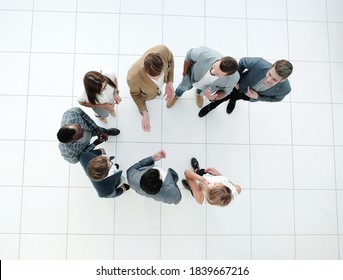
{"points": [[208, 186]]}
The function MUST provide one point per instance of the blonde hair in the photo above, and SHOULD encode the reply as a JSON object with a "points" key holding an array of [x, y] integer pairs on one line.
{"points": [[219, 195], [97, 168]]}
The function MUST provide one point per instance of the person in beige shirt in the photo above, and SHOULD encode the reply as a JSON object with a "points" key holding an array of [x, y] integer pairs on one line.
{"points": [[147, 77]]}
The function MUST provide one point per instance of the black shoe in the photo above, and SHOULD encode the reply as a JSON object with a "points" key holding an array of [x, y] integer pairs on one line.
{"points": [[126, 187], [231, 106], [185, 185], [194, 164], [116, 165], [113, 131], [204, 111]]}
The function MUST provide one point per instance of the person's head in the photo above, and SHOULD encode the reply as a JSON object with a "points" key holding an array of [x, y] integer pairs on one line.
{"points": [[151, 181], [94, 83], [219, 195], [153, 65], [279, 72], [70, 133], [225, 66], [98, 167]]}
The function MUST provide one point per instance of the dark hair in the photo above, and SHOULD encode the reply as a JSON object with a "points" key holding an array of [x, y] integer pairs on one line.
{"points": [[93, 82], [283, 68], [153, 64], [228, 65], [150, 181], [66, 134]]}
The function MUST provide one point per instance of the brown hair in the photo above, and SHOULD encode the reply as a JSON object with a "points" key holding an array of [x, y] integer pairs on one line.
{"points": [[228, 65], [219, 195], [153, 64], [93, 82], [283, 68], [97, 168]]}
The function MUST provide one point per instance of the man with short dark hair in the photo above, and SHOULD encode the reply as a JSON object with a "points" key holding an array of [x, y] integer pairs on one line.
{"points": [[151, 181], [259, 81], [76, 131], [206, 73]]}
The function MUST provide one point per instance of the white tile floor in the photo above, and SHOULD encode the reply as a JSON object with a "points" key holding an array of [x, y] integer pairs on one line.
{"points": [[287, 156]]}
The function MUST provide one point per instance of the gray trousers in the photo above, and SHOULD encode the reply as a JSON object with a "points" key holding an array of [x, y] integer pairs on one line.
{"points": [[103, 113]]}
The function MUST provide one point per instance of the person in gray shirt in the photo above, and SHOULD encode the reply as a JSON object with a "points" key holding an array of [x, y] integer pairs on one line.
{"points": [[206, 73]]}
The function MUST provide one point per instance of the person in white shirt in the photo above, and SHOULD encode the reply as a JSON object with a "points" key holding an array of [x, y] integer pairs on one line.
{"points": [[208, 186], [101, 94]]}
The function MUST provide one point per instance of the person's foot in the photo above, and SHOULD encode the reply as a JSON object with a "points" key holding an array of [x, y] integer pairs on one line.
{"points": [[204, 111], [116, 165], [113, 131], [199, 100], [231, 106], [125, 187], [172, 101], [113, 113], [194, 164], [185, 184]]}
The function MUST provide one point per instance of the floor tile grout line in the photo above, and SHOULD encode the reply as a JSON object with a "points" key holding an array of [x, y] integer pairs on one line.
{"points": [[69, 166], [24, 140], [333, 133], [292, 151], [116, 141], [249, 142]]}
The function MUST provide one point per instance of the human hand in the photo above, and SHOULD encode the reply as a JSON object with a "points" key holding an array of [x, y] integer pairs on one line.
{"points": [[251, 93], [101, 134], [209, 95], [146, 122], [108, 106], [99, 141], [117, 98], [169, 91], [159, 155]]}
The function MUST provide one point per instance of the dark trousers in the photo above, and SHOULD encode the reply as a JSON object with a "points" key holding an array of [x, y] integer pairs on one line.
{"points": [[234, 95]]}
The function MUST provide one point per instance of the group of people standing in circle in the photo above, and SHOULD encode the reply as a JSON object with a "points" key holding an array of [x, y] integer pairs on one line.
{"points": [[206, 74]]}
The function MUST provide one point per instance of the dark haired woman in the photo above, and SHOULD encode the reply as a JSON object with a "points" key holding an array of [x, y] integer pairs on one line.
{"points": [[101, 94]]}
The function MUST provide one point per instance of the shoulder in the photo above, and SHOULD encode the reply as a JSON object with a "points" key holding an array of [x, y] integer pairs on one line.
{"points": [[234, 76], [204, 53], [285, 86], [254, 60], [72, 111]]}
